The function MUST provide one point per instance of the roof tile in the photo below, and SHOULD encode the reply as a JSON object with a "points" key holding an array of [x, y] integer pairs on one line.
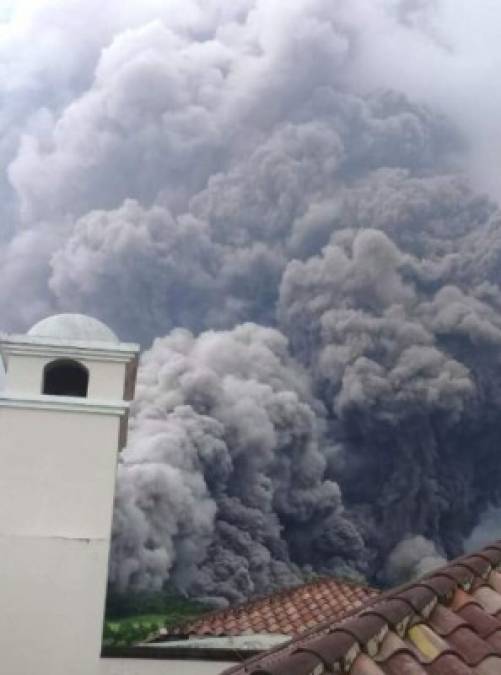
{"points": [[442, 586], [368, 630], [491, 666], [496, 545], [443, 621], [460, 599], [459, 574], [394, 611], [401, 663], [365, 666], [492, 554], [494, 639], [421, 599], [427, 644], [483, 624], [470, 647], [288, 612], [488, 599], [449, 623], [448, 664], [494, 581], [299, 663], [336, 647], [478, 565], [391, 645]]}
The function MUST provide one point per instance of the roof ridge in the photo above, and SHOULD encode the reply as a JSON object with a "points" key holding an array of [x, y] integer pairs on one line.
{"points": [[330, 646]]}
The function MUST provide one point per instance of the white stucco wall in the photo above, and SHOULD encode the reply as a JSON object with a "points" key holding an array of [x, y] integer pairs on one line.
{"points": [[58, 464], [25, 374], [106, 378], [52, 592], [56, 499], [161, 667], [58, 472]]}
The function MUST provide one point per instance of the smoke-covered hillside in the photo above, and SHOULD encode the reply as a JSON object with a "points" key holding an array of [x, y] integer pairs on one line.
{"points": [[290, 203]]}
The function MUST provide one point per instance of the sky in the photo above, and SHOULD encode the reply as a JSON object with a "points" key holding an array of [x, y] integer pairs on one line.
{"points": [[294, 208]]}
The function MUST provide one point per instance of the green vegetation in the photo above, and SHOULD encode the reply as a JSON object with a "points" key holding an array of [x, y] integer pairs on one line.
{"points": [[125, 632], [134, 617]]}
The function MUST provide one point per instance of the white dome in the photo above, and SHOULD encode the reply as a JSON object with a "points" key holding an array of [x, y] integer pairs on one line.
{"points": [[73, 328]]}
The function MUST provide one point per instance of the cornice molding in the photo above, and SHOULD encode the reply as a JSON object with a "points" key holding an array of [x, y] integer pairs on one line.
{"points": [[65, 404], [123, 353]]}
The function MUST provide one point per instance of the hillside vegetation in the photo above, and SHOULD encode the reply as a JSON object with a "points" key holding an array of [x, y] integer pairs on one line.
{"points": [[134, 617]]}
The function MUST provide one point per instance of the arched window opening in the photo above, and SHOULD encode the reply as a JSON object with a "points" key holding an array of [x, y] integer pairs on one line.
{"points": [[65, 378]]}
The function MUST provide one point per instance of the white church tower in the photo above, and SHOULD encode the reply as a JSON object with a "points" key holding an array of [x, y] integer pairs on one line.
{"points": [[63, 418]]}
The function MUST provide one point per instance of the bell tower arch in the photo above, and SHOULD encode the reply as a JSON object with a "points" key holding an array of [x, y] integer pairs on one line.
{"points": [[65, 377]]}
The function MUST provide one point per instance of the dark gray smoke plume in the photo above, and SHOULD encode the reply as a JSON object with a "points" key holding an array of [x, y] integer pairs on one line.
{"points": [[226, 461], [293, 195]]}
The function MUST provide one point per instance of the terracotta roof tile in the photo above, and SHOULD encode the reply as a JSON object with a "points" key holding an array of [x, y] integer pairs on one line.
{"points": [[481, 622], [472, 648], [298, 664], [395, 612], [401, 663], [331, 649], [420, 598], [448, 664], [287, 612], [368, 630], [495, 581], [495, 640], [488, 599], [460, 574], [426, 645], [365, 666], [448, 623], [442, 586], [444, 622], [492, 554], [478, 565], [460, 599], [392, 644], [491, 666]]}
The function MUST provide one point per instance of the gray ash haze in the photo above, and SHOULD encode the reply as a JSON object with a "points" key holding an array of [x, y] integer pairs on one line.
{"points": [[294, 208]]}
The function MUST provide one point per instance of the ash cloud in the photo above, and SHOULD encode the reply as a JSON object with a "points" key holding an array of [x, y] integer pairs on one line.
{"points": [[224, 464], [411, 558], [486, 531], [291, 199]]}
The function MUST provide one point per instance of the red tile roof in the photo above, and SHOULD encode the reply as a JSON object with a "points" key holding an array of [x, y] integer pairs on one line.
{"points": [[287, 612], [447, 623]]}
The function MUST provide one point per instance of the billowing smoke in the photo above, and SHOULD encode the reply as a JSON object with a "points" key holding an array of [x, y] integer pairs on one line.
{"points": [[486, 531], [226, 462], [411, 558], [290, 198]]}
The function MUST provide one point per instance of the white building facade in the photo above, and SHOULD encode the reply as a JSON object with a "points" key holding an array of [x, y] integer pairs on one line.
{"points": [[63, 417], [63, 421]]}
